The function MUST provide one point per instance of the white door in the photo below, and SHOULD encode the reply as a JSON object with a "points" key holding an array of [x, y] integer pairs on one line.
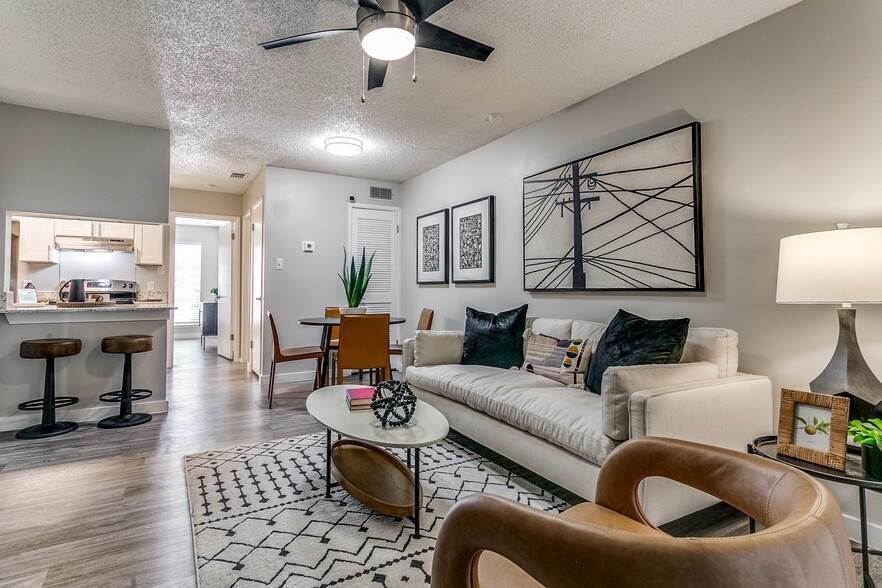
{"points": [[256, 286], [245, 291], [376, 229], [225, 290]]}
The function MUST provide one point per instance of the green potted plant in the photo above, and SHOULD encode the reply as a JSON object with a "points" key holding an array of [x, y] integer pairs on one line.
{"points": [[869, 435], [355, 282]]}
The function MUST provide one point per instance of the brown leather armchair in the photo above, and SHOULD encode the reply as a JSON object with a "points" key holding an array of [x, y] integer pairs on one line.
{"points": [[489, 541]]}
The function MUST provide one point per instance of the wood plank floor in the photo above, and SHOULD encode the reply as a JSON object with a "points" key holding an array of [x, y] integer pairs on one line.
{"points": [[108, 508]]}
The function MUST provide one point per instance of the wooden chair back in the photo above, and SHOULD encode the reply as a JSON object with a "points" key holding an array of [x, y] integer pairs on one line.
{"points": [[426, 318], [333, 312], [364, 342], [277, 348]]}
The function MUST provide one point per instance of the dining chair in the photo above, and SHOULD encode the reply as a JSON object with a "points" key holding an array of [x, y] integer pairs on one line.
{"points": [[333, 312], [364, 345], [292, 354], [424, 324]]}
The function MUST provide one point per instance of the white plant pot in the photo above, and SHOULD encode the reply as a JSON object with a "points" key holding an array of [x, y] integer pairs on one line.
{"points": [[353, 310]]}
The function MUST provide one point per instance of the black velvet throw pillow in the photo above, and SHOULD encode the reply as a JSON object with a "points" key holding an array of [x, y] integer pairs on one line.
{"points": [[494, 339], [633, 340]]}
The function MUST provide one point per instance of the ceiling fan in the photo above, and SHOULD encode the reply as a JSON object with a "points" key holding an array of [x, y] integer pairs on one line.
{"points": [[390, 29]]}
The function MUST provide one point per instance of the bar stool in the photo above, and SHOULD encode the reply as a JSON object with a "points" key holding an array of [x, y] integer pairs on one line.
{"points": [[48, 349], [127, 344]]}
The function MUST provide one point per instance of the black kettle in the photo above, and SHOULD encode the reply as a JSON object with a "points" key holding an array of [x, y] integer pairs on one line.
{"points": [[77, 291]]}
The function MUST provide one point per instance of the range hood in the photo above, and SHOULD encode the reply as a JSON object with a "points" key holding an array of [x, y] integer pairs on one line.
{"points": [[94, 244]]}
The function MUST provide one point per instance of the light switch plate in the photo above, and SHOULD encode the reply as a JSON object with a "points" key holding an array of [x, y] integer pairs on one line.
{"points": [[151, 285], [309, 246], [280, 263]]}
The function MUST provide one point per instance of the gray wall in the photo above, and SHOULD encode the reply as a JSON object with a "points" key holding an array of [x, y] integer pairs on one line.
{"points": [[791, 144], [306, 206]]}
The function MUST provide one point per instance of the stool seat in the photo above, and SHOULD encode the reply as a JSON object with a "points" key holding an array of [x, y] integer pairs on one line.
{"points": [[127, 344], [46, 348]]}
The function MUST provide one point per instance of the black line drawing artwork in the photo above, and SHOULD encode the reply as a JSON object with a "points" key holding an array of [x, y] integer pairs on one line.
{"points": [[473, 241], [624, 219], [432, 248], [470, 242]]}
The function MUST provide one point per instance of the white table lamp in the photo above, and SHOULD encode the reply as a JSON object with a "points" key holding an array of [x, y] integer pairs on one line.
{"points": [[836, 267]]}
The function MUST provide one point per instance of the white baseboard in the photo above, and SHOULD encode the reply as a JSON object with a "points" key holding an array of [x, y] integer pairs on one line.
{"points": [[80, 415], [288, 377], [853, 528]]}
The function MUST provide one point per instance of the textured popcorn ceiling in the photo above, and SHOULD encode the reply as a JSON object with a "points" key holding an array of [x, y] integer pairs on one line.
{"points": [[194, 67]]}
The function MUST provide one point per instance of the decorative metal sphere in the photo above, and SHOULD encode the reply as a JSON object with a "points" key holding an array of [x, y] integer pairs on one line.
{"points": [[393, 403]]}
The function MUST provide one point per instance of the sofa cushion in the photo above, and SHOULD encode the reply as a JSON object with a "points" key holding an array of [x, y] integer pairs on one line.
{"points": [[620, 382], [560, 328], [718, 346], [437, 347], [562, 360], [567, 417], [588, 330], [494, 339], [633, 340]]}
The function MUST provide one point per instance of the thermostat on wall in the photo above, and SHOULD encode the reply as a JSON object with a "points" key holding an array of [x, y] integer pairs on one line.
{"points": [[308, 246]]}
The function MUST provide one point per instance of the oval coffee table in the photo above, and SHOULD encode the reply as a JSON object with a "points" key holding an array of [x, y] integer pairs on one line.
{"points": [[356, 460]]}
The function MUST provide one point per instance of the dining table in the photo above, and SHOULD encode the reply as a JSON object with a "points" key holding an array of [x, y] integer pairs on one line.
{"points": [[327, 322]]}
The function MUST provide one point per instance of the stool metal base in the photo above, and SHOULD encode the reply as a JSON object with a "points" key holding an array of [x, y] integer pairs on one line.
{"points": [[121, 421], [42, 431]]}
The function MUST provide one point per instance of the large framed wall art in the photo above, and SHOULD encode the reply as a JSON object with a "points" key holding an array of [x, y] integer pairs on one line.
{"points": [[473, 241], [432, 247], [624, 219]]}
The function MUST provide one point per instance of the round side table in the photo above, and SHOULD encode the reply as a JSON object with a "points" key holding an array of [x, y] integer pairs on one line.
{"points": [[854, 475]]}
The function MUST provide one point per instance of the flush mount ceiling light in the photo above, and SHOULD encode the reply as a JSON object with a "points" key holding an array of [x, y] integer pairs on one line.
{"points": [[390, 29], [343, 146]]}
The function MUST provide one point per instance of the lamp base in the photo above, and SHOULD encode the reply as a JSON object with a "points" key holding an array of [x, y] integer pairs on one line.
{"points": [[848, 374]]}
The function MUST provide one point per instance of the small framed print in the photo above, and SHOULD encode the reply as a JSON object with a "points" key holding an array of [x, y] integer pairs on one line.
{"points": [[473, 242], [813, 427], [27, 296], [432, 248]]}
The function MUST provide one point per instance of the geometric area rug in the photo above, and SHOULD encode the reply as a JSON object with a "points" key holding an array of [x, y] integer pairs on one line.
{"points": [[260, 517]]}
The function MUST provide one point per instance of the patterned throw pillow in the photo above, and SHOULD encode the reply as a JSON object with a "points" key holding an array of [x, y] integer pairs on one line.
{"points": [[563, 360]]}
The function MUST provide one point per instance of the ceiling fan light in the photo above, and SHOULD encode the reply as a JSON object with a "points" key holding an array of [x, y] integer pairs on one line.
{"points": [[388, 43], [343, 146]]}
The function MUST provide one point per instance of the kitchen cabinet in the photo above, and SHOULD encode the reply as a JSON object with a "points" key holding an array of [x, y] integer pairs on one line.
{"points": [[36, 241], [73, 228], [116, 230], [149, 245], [84, 228]]}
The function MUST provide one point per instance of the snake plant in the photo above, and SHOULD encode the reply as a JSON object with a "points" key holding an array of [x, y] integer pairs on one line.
{"points": [[355, 283]]}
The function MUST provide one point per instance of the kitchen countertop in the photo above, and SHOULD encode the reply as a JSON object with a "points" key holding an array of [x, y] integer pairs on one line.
{"points": [[139, 311]]}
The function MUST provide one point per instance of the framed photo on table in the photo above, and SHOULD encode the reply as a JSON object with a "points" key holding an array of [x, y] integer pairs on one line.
{"points": [[432, 247], [473, 241], [813, 427]]}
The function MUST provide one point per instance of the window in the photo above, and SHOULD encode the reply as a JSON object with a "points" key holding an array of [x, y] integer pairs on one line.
{"points": [[188, 281]]}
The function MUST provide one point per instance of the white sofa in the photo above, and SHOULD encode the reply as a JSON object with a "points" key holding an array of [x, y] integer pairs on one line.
{"points": [[564, 434]]}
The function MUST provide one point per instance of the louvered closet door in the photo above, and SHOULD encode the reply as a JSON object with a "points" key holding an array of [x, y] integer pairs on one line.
{"points": [[376, 229]]}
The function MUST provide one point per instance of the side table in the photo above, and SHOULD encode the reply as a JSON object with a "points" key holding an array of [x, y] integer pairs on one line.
{"points": [[854, 475]]}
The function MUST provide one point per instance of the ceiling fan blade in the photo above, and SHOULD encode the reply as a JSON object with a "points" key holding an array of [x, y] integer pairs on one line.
{"points": [[434, 37], [370, 4], [423, 9], [376, 73], [304, 38]]}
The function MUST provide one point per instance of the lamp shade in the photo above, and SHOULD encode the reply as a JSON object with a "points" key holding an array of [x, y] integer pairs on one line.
{"points": [[831, 267]]}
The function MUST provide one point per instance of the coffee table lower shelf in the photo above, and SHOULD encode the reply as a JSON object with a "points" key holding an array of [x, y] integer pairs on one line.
{"points": [[374, 477]]}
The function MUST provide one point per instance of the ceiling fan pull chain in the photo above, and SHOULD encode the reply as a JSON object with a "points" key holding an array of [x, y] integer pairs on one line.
{"points": [[416, 30], [363, 80]]}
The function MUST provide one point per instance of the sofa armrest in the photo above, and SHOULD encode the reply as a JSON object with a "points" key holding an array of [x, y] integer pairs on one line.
{"points": [[728, 412], [407, 355]]}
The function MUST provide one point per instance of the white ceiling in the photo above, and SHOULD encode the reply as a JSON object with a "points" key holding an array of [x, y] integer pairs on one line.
{"points": [[194, 67]]}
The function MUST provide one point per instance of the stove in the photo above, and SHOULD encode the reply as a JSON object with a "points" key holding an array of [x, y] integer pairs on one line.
{"points": [[119, 291]]}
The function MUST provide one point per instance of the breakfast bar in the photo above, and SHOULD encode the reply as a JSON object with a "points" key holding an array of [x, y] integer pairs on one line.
{"points": [[89, 374]]}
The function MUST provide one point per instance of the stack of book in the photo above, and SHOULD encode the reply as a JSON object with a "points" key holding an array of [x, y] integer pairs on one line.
{"points": [[359, 398]]}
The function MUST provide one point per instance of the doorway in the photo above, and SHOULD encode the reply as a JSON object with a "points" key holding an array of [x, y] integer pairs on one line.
{"points": [[205, 274]]}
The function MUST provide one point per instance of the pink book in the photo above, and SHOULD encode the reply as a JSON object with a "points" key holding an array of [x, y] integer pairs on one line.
{"points": [[362, 394]]}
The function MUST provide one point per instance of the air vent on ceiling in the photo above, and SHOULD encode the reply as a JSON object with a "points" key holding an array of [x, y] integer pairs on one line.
{"points": [[238, 175], [381, 193]]}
